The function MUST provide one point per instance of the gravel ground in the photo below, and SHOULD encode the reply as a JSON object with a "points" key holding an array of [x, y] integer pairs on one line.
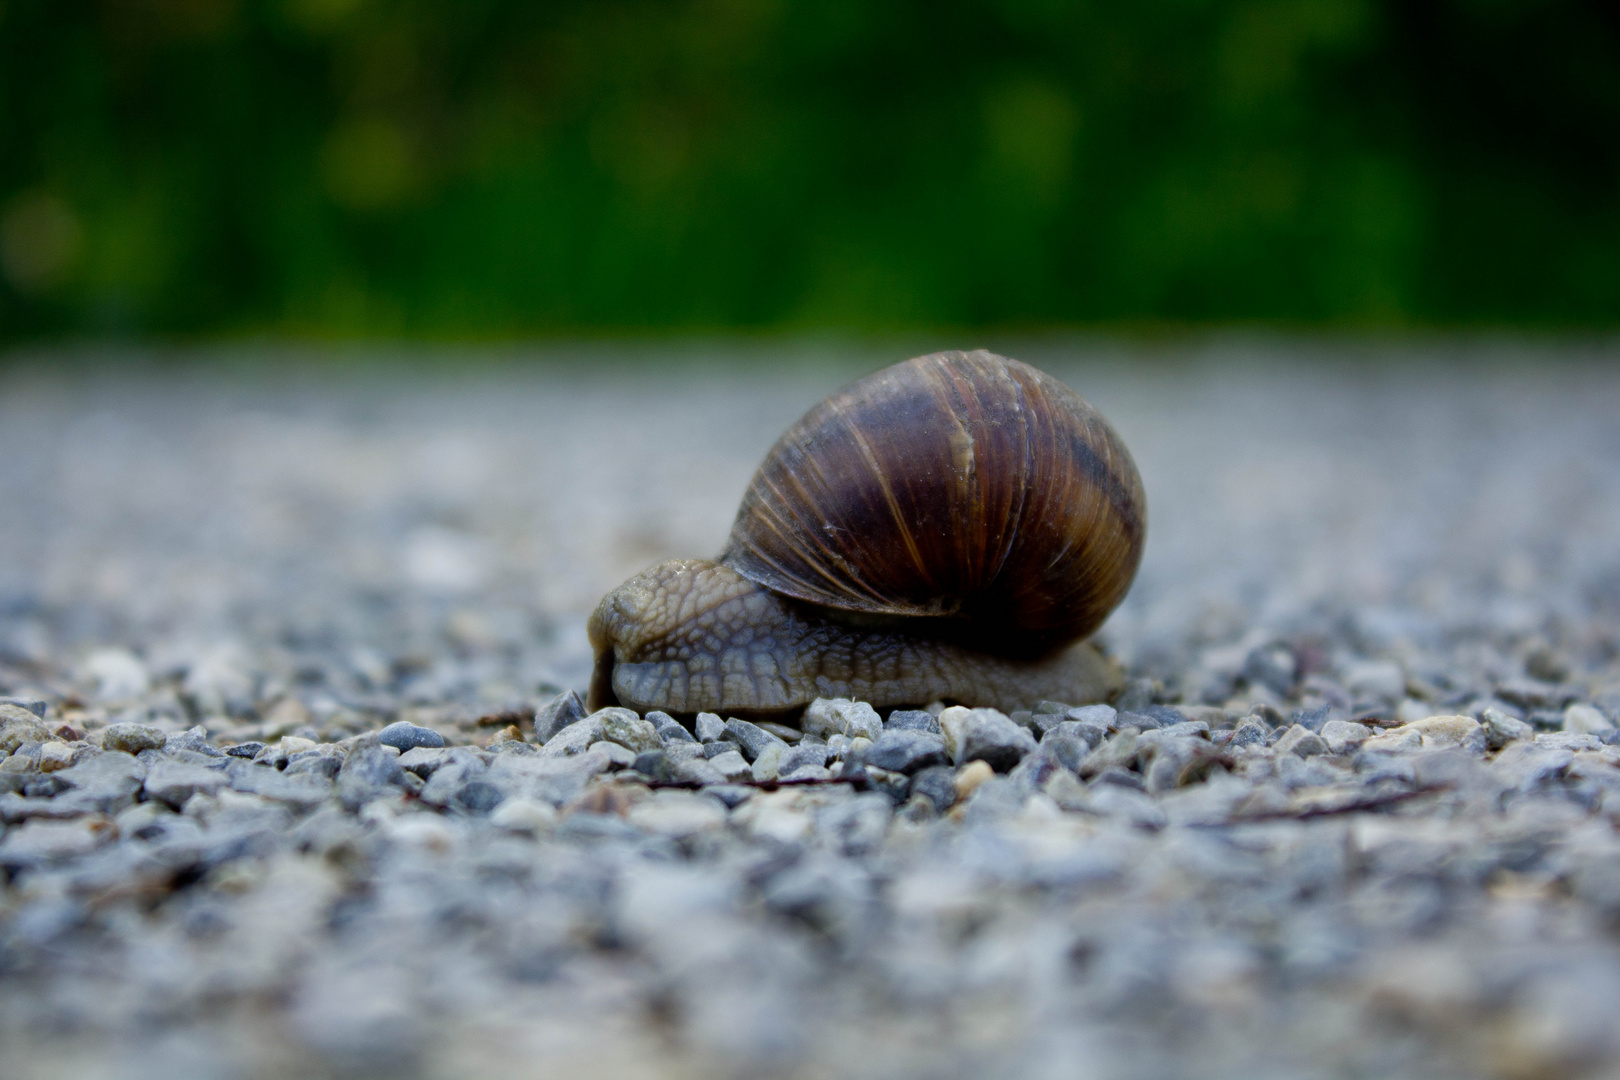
{"points": [[1354, 814]]}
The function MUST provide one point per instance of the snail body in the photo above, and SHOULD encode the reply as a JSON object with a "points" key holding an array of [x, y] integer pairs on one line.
{"points": [[948, 528]]}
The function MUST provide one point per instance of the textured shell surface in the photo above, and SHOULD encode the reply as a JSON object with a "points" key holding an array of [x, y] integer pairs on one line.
{"points": [[961, 486]]}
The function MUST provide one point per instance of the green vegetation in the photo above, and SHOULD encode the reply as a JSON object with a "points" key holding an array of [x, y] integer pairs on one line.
{"points": [[485, 167]]}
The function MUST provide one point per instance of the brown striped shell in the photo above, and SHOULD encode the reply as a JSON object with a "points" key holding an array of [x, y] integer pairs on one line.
{"points": [[966, 490]]}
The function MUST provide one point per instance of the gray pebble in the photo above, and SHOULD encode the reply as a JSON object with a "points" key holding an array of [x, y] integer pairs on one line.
{"points": [[750, 738], [1343, 737], [710, 728], [906, 751], [732, 765], [1302, 741], [984, 735], [1501, 729], [630, 731], [912, 720], [825, 717], [33, 705], [937, 784], [132, 738], [403, 735], [669, 729], [555, 715]]}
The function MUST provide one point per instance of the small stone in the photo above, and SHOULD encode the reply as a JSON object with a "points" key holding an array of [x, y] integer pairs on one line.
{"points": [[367, 773], [907, 751], [422, 760], [1501, 729], [789, 735], [1249, 733], [767, 761], [133, 738], [291, 745], [803, 774], [751, 738], [984, 735], [619, 755], [55, 755], [524, 815], [802, 755], [655, 765], [1088, 732], [970, 776], [936, 784], [1440, 732], [1580, 719], [732, 765], [509, 734], [1302, 741], [630, 731], [560, 712], [911, 720], [33, 705], [1066, 748], [669, 729], [576, 737], [248, 750], [698, 771], [478, 797], [710, 728], [826, 717], [65, 732], [1400, 740], [403, 735], [1093, 714], [1343, 736]]}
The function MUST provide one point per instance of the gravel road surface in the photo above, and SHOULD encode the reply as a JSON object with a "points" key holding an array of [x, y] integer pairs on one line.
{"points": [[291, 785]]}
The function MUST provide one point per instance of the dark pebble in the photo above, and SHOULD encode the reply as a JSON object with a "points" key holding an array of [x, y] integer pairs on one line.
{"points": [[669, 729], [249, 750], [907, 751], [479, 797], [936, 784], [403, 736], [564, 709]]}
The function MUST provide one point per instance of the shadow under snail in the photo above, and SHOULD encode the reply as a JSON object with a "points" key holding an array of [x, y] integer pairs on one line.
{"points": [[950, 528]]}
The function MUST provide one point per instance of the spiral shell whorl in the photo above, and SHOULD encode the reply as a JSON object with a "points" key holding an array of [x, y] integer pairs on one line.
{"points": [[962, 486]]}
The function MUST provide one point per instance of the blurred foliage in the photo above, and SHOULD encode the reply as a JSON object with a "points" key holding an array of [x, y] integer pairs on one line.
{"points": [[486, 167]]}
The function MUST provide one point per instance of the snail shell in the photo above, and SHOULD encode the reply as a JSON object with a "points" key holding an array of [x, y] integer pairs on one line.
{"points": [[946, 528]]}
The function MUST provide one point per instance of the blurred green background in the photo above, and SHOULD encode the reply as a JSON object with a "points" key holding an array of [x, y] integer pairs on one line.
{"points": [[480, 168]]}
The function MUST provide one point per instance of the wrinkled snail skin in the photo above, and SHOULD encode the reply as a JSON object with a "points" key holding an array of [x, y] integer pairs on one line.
{"points": [[692, 635], [944, 529]]}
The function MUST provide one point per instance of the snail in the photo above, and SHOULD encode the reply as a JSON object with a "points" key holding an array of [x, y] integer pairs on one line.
{"points": [[947, 529]]}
